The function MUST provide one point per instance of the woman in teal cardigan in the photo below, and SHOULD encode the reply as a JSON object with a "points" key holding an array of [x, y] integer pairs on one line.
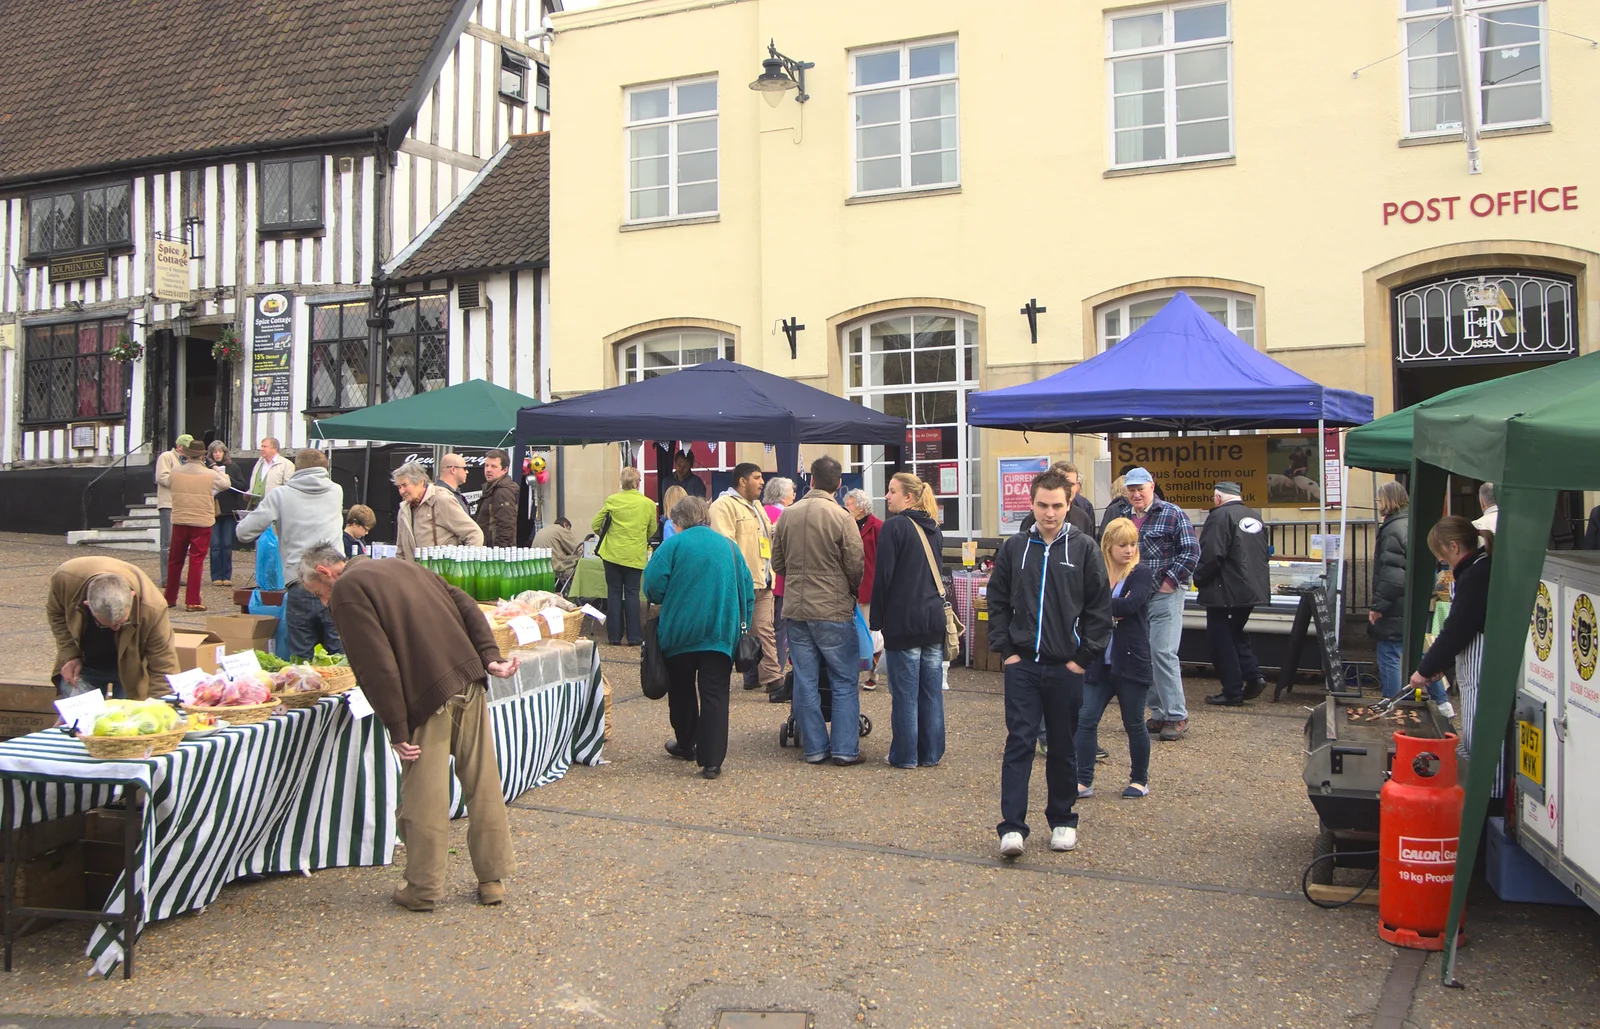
{"points": [[625, 550], [703, 586]]}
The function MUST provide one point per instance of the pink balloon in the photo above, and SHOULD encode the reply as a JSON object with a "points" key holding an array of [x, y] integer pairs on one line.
{"points": [[542, 478]]}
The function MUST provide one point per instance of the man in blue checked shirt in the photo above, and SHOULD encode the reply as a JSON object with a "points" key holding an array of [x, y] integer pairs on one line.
{"points": [[1169, 547]]}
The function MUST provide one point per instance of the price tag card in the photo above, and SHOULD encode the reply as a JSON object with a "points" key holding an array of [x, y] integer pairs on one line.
{"points": [[235, 665], [360, 707], [969, 552], [555, 618], [525, 629], [592, 613], [82, 710], [184, 683]]}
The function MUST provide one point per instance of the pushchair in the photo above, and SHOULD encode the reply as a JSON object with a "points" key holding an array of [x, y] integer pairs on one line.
{"points": [[789, 732]]}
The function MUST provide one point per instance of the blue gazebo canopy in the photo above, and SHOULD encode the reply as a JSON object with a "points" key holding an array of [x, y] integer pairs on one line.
{"points": [[1182, 371]]}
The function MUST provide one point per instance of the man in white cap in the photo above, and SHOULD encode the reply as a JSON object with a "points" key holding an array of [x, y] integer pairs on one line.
{"points": [[1233, 578], [1170, 549]]}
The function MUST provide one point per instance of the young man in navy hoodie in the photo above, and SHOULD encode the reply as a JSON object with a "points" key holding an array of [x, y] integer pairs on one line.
{"points": [[1050, 618]]}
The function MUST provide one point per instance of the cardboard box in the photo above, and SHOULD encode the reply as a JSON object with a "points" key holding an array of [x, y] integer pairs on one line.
{"points": [[983, 659], [26, 707], [202, 650], [244, 632], [51, 880], [37, 838]]}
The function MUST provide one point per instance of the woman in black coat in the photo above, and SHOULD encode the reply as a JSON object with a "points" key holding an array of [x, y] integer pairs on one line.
{"points": [[1124, 672], [227, 503], [908, 610]]}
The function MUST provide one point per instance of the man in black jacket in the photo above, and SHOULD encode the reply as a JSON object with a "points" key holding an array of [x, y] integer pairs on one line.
{"points": [[1233, 579], [1050, 618]]}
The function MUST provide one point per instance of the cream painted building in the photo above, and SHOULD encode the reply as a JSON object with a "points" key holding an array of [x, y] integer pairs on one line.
{"points": [[952, 161]]}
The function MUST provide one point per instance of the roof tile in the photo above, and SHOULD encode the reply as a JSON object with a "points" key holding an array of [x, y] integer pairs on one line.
{"points": [[504, 222]]}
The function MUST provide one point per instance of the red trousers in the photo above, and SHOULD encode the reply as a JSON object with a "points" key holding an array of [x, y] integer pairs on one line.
{"points": [[196, 540]]}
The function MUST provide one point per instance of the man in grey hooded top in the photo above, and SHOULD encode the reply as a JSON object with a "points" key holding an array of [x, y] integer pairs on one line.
{"points": [[307, 510]]}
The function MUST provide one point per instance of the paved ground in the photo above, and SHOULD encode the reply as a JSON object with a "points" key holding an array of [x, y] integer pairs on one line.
{"points": [[867, 896]]}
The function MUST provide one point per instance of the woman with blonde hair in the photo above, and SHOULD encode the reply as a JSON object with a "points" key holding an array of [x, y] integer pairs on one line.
{"points": [[908, 610], [1124, 672], [669, 503], [1466, 549], [625, 523]]}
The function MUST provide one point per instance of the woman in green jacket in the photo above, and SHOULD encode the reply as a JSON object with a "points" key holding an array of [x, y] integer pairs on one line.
{"points": [[625, 549], [702, 583]]}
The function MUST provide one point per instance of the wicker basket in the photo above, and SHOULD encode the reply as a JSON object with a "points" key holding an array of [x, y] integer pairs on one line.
{"points": [[238, 714], [506, 639], [337, 679], [125, 747], [299, 698]]}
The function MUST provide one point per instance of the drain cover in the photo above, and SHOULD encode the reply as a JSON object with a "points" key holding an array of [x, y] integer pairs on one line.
{"points": [[763, 1020]]}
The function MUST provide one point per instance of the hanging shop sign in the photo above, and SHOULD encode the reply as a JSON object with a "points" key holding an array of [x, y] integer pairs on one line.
{"points": [[172, 270], [271, 349], [1272, 471], [1016, 489], [1484, 316], [79, 266]]}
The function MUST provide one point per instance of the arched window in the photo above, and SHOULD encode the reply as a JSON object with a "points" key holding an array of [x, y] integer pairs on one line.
{"points": [[920, 364], [660, 353], [1236, 311]]}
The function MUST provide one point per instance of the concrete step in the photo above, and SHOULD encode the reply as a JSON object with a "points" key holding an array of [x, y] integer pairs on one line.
{"points": [[148, 539], [137, 522], [144, 511]]}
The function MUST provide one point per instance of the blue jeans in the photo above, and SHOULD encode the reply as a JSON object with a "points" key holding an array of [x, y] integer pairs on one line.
{"points": [[1166, 632], [916, 692], [1055, 693], [1130, 700], [1389, 680], [222, 547], [811, 646], [309, 622]]}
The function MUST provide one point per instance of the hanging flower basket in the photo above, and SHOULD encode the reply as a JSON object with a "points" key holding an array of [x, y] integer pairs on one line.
{"points": [[227, 347], [125, 349]]}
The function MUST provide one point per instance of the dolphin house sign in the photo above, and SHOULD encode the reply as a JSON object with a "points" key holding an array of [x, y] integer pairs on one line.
{"points": [[1485, 316]]}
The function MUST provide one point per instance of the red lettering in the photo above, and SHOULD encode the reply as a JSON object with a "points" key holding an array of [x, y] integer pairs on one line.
{"points": [[1544, 193], [1516, 201], [1452, 202], [1569, 198], [1500, 200], [1390, 209], [1433, 209], [1406, 207], [1487, 210]]}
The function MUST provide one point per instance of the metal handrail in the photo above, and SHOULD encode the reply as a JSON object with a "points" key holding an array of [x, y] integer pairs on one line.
{"points": [[96, 481]]}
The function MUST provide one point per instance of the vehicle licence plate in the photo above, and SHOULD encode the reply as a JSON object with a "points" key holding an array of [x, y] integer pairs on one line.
{"points": [[1530, 752]]}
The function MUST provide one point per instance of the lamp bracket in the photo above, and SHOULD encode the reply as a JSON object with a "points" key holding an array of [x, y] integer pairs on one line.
{"points": [[792, 329], [796, 69]]}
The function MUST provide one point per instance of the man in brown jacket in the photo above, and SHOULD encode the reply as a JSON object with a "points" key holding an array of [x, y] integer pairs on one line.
{"points": [[497, 504], [429, 515], [816, 547], [110, 625], [422, 651], [194, 511]]}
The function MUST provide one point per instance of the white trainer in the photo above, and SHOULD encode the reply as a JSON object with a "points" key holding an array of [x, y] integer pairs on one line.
{"points": [[1447, 709], [1011, 845], [1063, 837]]}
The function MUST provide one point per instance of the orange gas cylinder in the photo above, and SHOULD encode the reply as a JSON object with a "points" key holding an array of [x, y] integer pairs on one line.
{"points": [[1418, 834]]}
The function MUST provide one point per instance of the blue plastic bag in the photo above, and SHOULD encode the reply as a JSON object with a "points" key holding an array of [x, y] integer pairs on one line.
{"points": [[864, 641], [269, 576]]}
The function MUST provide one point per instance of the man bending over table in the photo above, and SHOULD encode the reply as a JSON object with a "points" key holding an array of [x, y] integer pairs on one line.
{"points": [[421, 651], [111, 630]]}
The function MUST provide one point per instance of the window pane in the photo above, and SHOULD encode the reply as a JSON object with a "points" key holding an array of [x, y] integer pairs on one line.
{"points": [[1200, 138], [648, 204], [66, 341], [1139, 110], [855, 371], [1133, 76], [701, 167], [1436, 113], [651, 142], [1200, 66], [274, 193], [1246, 315], [697, 199], [891, 369], [117, 215], [939, 59], [353, 388], [88, 387], [1434, 73], [697, 135], [933, 134], [1216, 307], [1137, 145], [94, 217], [877, 108], [307, 191], [1191, 23], [880, 67], [1138, 31], [1198, 102], [1144, 310], [891, 334], [647, 103], [112, 385], [404, 317], [430, 314], [64, 226], [432, 359], [1431, 38], [936, 407], [696, 97], [41, 222], [1512, 103], [933, 101], [1426, 5], [879, 174], [1518, 26], [932, 169], [325, 322], [878, 141], [513, 82], [88, 337], [324, 393], [897, 404], [400, 369], [936, 366]]}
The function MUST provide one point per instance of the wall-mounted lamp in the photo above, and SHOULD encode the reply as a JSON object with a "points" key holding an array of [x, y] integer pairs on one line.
{"points": [[779, 74], [792, 328], [1033, 311]]}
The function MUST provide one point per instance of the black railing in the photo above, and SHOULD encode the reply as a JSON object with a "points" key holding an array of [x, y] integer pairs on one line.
{"points": [[123, 464]]}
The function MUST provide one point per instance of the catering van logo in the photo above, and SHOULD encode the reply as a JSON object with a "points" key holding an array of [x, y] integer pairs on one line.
{"points": [[1428, 852], [1544, 628], [1585, 644], [273, 304]]}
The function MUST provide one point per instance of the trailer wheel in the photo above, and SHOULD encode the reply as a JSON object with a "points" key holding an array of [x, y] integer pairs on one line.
{"points": [[1322, 873]]}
